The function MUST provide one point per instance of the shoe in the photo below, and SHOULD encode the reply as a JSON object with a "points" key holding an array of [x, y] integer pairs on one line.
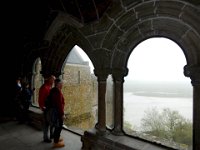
{"points": [[61, 139], [59, 144], [47, 140]]}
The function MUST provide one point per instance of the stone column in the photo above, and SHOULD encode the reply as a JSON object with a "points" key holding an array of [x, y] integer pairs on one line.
{"points": [[33, 86], [194, 73], [118, 78], [101, 77]]}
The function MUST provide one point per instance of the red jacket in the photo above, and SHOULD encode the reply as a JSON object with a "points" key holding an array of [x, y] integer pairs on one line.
{"points": [[58, 100], [43, 93]]}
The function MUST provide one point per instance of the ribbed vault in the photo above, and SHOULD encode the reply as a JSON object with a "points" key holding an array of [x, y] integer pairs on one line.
{"points": [[109, 41]]}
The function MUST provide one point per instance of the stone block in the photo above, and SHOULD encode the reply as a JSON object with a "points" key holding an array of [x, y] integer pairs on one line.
{"points": [[100, 26], [125, 17], [145, 10], [191, 16], [169, 8], [130, 3], [96, 39], [126, 25], [170, 25], [115, 10], [112, 37]]}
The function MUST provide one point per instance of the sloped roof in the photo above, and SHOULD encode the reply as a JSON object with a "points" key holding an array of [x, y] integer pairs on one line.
{"points": [[74, 57]]}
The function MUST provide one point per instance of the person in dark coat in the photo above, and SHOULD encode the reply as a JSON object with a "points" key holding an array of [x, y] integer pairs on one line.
{"points": [[43, 94], [58, 116], [17, 100], [26, 102]]}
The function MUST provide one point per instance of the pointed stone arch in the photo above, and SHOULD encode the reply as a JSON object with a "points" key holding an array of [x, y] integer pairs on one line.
{"points": [[62, 42], [80, 90]]}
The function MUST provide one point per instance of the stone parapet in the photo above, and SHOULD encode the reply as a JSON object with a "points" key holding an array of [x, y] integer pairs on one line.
{"points": [[92, 141]]}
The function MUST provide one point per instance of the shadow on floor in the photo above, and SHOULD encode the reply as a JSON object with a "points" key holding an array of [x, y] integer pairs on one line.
{"points": [[15, 136]]}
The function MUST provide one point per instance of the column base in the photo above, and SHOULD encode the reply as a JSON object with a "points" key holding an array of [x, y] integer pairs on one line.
{"points": [[100, 131], [118, 131]]}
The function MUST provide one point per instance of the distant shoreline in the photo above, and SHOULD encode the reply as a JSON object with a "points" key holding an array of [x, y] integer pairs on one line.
{"points": [[161, 95], [159, 89]]}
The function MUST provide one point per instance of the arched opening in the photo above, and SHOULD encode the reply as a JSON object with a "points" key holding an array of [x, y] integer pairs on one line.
{"points": [[80, 91], [157, 95], [37, 80]]}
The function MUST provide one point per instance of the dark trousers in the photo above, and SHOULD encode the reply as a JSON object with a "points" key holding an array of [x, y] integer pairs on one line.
{"points": [[47, 126], [58, 129]]}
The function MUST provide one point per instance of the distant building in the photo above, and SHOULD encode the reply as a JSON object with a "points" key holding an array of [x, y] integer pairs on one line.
{"points": [[81, 108]]}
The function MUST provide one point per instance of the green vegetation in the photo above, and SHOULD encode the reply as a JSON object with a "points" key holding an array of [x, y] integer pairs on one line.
{"points": [[169, 125], [128, 126]]}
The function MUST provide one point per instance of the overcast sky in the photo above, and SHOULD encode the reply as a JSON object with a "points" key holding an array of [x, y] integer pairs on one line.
{"points": [[154, 59], [157, 59], [85, 57]]}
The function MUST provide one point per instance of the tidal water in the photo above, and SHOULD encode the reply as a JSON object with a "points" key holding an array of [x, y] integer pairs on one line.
{"points": [[136, 105]]}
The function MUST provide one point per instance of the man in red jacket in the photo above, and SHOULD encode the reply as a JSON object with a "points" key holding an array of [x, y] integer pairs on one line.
{"points": [[43, 93], [58, 103]]}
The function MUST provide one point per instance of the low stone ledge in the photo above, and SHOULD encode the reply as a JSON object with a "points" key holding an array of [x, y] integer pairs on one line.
{"points": [[93, 141], [36, 117]]}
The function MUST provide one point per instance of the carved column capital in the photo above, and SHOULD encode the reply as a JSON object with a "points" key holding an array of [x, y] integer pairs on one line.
{"points": [[119, 74], [193, 72], [102, 74]]}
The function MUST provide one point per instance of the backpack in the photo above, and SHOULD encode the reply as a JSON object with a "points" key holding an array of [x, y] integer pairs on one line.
{"points": [[48, 102]]}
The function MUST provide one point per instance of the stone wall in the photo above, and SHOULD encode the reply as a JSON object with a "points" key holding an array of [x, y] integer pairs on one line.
{"points": [[80, 96], [80, 91]]}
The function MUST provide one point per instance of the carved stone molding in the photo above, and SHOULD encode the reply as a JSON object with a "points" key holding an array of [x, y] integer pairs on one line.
{"points": [[119, 74], [193, 72], [102, 74]]}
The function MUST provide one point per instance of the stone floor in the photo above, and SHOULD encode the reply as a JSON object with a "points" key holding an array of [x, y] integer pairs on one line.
{"points": [[15, 136]]}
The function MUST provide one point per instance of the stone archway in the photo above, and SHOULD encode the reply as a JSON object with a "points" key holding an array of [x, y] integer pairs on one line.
{"points": [[156, 67], [175, 20], [110, 41], [62, 41], [79, 90]]}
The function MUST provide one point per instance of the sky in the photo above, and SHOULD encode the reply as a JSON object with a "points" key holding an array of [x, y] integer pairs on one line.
{"points": [[85, 57], [155, 59]]}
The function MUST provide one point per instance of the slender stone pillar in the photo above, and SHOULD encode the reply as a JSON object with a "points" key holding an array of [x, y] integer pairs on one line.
{"points": [[101, 77], [33, 86], [194, 73], [118, 78]]}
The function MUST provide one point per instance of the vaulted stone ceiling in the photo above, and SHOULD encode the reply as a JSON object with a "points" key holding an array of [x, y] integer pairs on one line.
{"points": [[104, 28], [38, 15], [84, 10]]}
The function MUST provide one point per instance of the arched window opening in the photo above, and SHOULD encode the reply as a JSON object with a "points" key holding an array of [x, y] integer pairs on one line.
{"points": [[157, 96], [37, 80], [80, 91]]}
